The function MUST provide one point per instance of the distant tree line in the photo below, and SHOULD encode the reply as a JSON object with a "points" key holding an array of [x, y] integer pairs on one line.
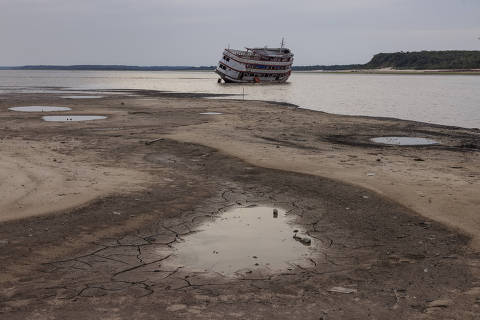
{"points": [[423, 60], [420, 60]]}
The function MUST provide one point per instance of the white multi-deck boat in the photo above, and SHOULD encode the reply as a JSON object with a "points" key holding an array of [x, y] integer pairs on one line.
{"points": [[255, 65]]}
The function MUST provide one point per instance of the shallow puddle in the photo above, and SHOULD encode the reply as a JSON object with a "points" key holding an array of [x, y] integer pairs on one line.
{"points": [[72, 118], [82, 97], [242, 240], [39, 109], [211, 113], [404, 141]]}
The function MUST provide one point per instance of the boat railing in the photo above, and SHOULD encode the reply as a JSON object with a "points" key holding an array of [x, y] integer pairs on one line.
{"points": [[252, 56]]}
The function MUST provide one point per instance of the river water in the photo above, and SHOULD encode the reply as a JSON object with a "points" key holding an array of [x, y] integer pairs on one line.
{"points": [[442, 99]]}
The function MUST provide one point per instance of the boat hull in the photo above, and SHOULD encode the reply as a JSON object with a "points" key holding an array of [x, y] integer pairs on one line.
{"points": [[227, 79]]}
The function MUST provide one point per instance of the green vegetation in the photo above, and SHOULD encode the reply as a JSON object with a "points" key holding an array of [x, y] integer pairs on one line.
{"points": [[421, 60], [424, 60]]}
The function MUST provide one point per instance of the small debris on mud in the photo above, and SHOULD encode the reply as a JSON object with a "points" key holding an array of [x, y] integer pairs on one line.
{"points": [[342, 290], [175, 307], [440, 303], [153, 141], [425, 224], [303, 240]]}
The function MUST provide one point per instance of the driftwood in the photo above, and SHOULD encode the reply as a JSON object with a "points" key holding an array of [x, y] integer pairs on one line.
{"points": [[153, 141]]}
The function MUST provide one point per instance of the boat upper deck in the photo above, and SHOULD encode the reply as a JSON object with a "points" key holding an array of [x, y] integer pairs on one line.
{"points": [[264, 56]]}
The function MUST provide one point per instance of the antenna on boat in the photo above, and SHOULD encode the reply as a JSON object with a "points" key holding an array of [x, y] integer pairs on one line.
{"points": [[283, 43]]}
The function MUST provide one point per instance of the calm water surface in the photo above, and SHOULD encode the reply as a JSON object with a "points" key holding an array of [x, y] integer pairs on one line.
{"points": [[443, 99], [242, 239]]}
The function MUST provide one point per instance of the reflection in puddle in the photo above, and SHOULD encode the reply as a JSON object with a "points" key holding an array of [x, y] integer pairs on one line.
{"points": [[72, 118], [242, 240], [39, 109], [211, 113], [404, 141], [82, 97]]}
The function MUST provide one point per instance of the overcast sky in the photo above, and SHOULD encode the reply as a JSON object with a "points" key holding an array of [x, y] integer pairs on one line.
{"points": [[194, 32]]}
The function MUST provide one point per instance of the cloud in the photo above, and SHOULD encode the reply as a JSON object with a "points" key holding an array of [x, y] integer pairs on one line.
{"points": [[150, 32]]}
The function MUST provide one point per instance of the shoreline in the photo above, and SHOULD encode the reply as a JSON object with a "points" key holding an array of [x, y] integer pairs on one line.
{"points": [[474, 72], [403, 73], [347, 71], [381, 214], [446, 118]]}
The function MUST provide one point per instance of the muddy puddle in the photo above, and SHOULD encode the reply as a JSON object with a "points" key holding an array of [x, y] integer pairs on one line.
{"points": [[211, 113], [404, 141], [69, 118], [243, 240], [39, 109], [82, 97]]}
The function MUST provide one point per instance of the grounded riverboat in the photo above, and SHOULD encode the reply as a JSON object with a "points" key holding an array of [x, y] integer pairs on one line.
{"points": [[255, 65]]}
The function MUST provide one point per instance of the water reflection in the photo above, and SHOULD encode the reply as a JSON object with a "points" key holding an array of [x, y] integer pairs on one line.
{"points": [[443, 99], [404, 141], [241, 240], [70, 118], [82, 97], [39, 109]]}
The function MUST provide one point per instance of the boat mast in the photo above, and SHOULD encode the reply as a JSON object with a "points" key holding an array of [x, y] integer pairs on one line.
{"points": [[283, 43]]}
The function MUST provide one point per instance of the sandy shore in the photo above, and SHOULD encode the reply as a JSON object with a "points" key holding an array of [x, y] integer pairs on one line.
{"points": [[40, 178], [88, 208]]}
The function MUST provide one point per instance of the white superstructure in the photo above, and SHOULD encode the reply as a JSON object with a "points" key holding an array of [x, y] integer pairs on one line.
{"points": [[255, 65]]}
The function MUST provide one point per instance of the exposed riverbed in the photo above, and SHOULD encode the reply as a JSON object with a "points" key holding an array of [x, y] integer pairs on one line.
{"points": [[95, 213]]}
